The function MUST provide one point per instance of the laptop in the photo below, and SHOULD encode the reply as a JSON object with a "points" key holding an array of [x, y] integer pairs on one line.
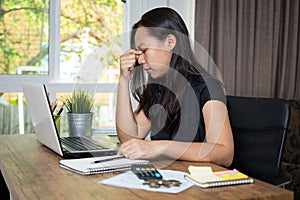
{"points": [[46, 131]]}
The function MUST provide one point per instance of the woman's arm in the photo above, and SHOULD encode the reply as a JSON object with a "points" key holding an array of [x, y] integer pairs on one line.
{"points": [[217, 149], [129, 124], [218, 133]]}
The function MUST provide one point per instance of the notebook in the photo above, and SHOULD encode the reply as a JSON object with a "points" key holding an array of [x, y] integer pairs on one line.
{"points": [[98, 165], [46, 130], [206, 178]]}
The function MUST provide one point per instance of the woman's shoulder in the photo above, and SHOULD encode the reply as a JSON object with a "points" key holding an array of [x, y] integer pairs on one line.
{"points": [[195, 80], [207, 86], [201, 81]]}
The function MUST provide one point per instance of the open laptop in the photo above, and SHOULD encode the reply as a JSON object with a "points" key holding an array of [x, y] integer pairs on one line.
{"points": [[46, 131]]}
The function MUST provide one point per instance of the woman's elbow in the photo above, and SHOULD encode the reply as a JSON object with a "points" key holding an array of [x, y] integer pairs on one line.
{"points": [[228, 157], [228, 160], [222, 156]]}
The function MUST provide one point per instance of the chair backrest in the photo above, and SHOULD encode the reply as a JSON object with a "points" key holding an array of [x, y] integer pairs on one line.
{"points": [[259, 128]]}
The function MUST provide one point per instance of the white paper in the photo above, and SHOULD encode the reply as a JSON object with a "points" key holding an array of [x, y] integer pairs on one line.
{"points": [[130, 180]]}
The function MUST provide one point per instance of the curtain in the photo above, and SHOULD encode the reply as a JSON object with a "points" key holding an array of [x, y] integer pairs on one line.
{"points": [[254, 43]]}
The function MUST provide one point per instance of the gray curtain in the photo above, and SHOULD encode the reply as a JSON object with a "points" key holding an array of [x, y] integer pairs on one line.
{"points": [[254, 43]]}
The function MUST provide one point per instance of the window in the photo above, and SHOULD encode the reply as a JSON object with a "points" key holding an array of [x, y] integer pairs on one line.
{"points": [[90, 40], [24, 37], [59, 43], [62, 43]]}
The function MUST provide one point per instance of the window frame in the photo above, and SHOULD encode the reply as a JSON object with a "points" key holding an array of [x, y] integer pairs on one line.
{"points": [[13, 83]]}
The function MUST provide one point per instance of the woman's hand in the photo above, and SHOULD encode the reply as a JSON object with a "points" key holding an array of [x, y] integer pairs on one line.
{"points": [[127, 63], [141, 149]]}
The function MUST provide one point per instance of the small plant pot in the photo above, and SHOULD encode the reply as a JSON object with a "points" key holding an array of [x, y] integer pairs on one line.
{"points": [[79, 124]]}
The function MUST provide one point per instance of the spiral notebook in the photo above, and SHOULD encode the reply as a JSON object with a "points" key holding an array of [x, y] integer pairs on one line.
{"points": [[205, 177], [98, 165]]}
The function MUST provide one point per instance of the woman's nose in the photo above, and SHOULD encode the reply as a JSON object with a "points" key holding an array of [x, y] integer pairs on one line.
{"points": [[141, 59]]}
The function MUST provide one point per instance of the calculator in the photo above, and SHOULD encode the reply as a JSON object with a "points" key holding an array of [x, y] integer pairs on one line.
{"points": [[146, 171]]}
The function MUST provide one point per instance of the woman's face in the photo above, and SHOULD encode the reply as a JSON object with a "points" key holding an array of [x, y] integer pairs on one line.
{"points": [[156, 54]]}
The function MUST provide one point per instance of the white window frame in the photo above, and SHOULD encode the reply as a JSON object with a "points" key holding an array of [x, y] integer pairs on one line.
{"points": [[133, 9]]}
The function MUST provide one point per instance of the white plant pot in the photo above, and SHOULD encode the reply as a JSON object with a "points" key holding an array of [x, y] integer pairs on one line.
{"points": [[79, 124]]}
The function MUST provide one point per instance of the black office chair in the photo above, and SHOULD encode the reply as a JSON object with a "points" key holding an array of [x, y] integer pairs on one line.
{"points": [[259, 127]]}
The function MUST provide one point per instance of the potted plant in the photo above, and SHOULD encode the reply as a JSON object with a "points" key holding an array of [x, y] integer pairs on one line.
{"points": [[79, 107]]}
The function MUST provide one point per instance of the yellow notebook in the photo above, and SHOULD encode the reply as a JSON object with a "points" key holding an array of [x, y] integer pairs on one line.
{"points": [[205, 177]]}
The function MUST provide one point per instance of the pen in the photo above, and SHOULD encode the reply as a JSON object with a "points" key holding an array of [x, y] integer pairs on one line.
{"points": [[108, 159], [53, 106], [61, 109]]}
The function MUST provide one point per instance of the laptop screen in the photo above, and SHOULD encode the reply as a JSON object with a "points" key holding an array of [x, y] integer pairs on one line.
{"points": [[41, 115]]}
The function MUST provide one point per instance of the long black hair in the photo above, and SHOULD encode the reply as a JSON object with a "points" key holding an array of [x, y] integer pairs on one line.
{"points": [[166, 91]]}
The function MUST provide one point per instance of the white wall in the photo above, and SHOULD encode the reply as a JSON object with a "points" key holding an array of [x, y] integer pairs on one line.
{"points": [[134, 9]]}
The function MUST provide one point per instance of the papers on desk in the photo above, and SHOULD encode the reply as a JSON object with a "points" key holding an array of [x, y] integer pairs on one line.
{"points": [[130, 180]]}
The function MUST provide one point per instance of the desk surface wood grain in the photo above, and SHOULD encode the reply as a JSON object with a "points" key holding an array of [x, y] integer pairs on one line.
{"points": [[32, 171]]}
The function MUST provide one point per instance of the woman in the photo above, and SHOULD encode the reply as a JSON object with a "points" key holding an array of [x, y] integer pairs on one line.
{"points": [[179, 104]]}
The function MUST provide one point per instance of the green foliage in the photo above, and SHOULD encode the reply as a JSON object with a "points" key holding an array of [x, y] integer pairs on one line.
{"points": [[94, 23], [79, 102], [22, 31]]}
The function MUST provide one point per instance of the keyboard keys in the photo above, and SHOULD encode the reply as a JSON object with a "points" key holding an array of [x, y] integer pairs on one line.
{"points": [[81, 144]]}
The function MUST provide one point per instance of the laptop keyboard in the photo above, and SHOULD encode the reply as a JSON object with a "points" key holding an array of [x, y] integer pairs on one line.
{"points": [[81, 144]]}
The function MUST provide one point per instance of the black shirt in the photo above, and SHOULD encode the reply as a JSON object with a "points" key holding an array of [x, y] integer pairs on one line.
{"points": [[189, 126]]}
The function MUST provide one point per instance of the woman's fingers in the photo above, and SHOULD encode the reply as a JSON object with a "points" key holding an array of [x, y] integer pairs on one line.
{"points": [[128, 61]]}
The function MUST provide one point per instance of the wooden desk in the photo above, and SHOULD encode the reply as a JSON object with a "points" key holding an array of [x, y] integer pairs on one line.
{"points": [[32, 171]]}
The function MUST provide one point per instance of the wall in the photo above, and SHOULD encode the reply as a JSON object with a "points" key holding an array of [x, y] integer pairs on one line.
{"points": [[134, 9]]}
